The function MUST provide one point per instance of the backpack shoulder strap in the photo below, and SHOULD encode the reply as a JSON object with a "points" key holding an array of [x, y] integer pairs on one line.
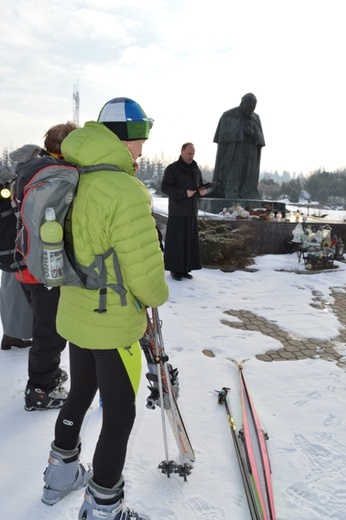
{"points": [[118, 287], [6, 213], [96, 167], [99, 262]]}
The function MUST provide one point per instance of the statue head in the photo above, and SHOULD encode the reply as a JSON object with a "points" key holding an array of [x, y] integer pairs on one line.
{"points": [[248, 103]]}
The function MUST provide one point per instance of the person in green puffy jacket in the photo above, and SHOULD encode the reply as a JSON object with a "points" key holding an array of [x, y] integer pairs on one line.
{"points": [[111, 209]]}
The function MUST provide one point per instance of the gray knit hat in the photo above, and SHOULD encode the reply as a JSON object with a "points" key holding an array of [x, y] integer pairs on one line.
{"points": [[26, 152]]}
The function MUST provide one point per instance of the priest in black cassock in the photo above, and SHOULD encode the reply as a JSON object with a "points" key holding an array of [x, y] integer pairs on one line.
{"points": [[182, 181]]}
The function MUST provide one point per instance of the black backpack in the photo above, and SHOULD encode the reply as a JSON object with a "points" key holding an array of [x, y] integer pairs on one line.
{"points": [[10, 259]]}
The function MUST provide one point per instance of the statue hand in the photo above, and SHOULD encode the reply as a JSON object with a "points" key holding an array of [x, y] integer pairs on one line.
{"points": [[249, 128]]}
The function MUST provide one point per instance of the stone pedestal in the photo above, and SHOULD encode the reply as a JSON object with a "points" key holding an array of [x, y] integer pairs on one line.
{"points": [[214, 205], [270, 237]]}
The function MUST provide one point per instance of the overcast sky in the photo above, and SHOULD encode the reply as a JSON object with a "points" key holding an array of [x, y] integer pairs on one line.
{"points": [[185, 62]]}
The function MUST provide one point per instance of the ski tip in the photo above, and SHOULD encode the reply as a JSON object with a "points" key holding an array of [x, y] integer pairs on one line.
{"points": [[238, 364], [235, 362]]}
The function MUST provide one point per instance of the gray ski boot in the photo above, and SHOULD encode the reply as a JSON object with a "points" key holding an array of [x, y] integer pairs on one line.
{"points": [[65, 473], [100, 502]]}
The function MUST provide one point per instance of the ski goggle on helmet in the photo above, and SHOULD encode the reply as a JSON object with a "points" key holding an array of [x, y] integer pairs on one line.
{"points": [[126, 119]]}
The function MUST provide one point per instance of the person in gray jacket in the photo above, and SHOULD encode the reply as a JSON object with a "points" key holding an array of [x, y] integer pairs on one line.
{"points": [[15, 312]]}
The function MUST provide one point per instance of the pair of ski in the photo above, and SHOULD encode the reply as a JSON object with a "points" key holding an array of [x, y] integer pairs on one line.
{"points": [[164, 390], [252, 455]]}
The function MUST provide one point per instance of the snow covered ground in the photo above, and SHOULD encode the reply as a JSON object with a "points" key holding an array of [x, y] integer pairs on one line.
{"points": [[301, 405]]}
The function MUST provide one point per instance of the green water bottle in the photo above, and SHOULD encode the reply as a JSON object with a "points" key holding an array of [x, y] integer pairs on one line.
{"points": [[51, 233]]}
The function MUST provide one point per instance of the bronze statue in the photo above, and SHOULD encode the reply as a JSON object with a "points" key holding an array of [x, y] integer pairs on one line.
{"points": [[239, 137]]}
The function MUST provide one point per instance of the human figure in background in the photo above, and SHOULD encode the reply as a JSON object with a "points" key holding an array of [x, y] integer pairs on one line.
{"points": [[112, 209], [181, 183], [44, 389], [240, 139], [15, 312]]}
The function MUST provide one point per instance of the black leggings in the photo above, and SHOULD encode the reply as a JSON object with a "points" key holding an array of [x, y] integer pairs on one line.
{"points": [[47, 344], [90, 370]]}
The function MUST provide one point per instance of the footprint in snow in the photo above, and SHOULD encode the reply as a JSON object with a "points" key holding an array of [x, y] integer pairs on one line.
{"points": [[204, 510]]}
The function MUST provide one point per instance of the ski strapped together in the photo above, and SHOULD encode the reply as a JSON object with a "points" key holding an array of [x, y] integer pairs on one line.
{"points": [[255, 443], [164, 390], [252, 454], [243, 466]]}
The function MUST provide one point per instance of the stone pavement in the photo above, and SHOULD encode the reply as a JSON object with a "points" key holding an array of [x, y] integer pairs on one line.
{"points": [[293, 349]]}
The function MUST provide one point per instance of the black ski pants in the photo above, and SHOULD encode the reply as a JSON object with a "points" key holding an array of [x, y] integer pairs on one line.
{"points": [[90, 370], [44, 355]]}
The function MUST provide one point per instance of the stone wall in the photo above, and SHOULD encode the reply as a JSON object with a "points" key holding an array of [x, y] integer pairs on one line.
{"points": [[271, 237]]}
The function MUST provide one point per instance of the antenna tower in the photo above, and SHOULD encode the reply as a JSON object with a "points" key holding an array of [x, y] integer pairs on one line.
{"points": [[76, 103]]}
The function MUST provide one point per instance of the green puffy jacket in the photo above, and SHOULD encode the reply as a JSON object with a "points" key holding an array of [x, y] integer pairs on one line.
{"points": [[111, 209]]}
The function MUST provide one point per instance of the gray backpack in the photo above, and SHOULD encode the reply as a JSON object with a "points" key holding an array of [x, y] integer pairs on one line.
{"points": [[45, 182]]}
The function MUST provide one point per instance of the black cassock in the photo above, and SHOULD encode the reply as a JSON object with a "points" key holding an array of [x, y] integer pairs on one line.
{"points": [[181, 251]]}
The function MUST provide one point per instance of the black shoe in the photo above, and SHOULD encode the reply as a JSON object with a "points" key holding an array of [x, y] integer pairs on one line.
{"points": [[187, 275], [62, 378], [8, 342], [37, 399], [177, 276]]}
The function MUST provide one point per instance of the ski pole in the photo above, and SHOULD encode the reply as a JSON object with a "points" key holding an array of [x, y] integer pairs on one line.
{"points": [[167, 466], [183, 469], [249, 492]]}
